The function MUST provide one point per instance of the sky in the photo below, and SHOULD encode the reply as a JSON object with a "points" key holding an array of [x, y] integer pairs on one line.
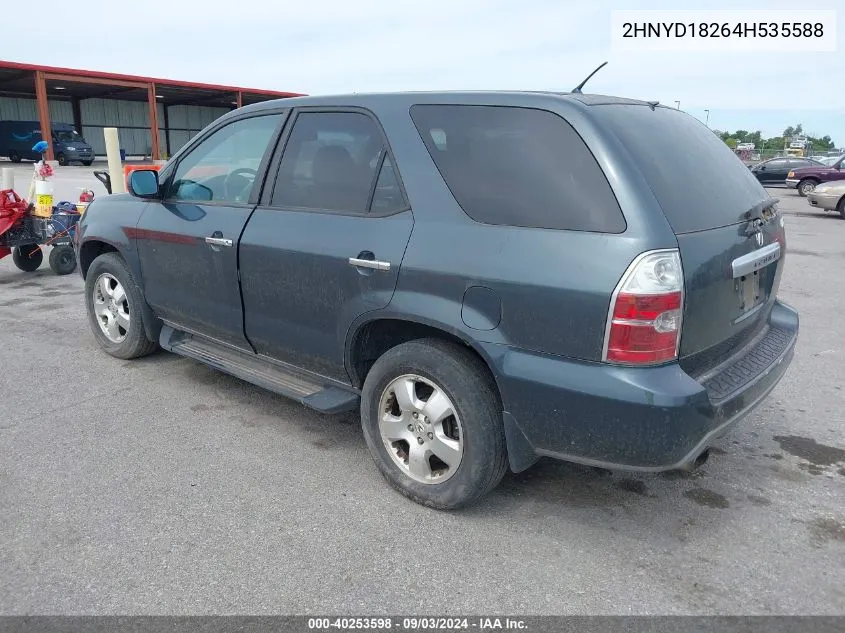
{"points": [[337, 46]]}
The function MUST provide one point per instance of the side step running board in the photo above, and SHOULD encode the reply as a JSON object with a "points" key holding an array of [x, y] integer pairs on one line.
{"points": [[312, 391]]}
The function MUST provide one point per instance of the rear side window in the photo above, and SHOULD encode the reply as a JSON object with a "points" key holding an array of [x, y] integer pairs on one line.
{"points": [[518, 167], [337, 161]]}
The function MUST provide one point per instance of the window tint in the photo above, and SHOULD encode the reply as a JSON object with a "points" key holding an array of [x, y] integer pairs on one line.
{"points": [[518, 167], [681, 159], [776, 164], [387, 197], [224, 166], [330, 162]]}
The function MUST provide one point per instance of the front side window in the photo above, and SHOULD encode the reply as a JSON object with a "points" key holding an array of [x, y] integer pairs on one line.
{"points": [[224, 166], [331, 161], [518, 167]]}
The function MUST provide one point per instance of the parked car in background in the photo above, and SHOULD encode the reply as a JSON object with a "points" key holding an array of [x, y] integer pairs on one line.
{"points": [[487, 277], [774, 171], [829, 196], [805, 179], [18, 137]]}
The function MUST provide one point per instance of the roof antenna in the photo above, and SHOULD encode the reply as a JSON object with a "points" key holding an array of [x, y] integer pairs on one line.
{"points": [[577, 90]]}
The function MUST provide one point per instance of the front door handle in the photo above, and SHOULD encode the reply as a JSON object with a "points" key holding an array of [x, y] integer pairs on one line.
{"points": [[218, 241], [369, 263]]}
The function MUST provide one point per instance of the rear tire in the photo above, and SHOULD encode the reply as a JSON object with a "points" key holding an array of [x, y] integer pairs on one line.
{"points": [[14, 157], [806, 186], [841, 207], [471, 437], [115, 312], [28, 258], [62, 160], [62, 259]]}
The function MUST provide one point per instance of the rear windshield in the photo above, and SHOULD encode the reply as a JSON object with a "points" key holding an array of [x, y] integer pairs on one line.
{"points": [[518, 167], [697, 179]]}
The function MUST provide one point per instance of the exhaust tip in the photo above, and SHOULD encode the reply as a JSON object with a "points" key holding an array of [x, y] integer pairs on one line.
{"points": [[697, 462], [703, 457]]}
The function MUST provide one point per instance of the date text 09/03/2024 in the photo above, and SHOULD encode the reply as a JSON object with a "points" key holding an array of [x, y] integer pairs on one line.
{"points": [[417, 623]]}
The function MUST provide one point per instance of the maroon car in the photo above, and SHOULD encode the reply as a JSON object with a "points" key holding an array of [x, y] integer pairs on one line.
{"points": [[806, 178]]}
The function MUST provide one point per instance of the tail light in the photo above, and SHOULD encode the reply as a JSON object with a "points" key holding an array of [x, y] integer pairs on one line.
{"points": [[644, 321]]}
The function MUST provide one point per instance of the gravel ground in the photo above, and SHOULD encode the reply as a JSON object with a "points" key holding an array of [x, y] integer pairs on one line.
{"points": [[160, 486]]}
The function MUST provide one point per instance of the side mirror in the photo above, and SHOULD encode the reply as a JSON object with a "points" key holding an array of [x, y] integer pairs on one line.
{"points": [[143, 183]]}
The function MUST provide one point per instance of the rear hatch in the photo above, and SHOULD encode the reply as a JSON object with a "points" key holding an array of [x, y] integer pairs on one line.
{"points": [[729, 231]]}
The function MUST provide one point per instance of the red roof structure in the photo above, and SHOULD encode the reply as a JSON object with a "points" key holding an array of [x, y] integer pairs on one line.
{"points": [[52, 82]]}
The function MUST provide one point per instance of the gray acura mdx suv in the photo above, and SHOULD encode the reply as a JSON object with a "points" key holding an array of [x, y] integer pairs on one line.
{"points": [[490, 277]]}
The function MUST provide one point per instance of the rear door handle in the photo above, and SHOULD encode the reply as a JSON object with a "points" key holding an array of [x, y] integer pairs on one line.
{"points": [[218, 241], [369, 263]]}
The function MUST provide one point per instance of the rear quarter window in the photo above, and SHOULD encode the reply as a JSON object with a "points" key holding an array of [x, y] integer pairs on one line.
{"points": [[518, 167]]}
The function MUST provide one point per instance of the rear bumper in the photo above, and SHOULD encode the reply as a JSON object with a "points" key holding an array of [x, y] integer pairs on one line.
{"points": [[642, 419]]}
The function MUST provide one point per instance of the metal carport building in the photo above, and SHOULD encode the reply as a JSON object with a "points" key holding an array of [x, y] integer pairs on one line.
{"points": [[155, 117]]}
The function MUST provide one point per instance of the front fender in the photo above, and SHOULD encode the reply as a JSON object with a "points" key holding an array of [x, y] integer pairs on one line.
{"points": [[110, 220], [109, 224]]}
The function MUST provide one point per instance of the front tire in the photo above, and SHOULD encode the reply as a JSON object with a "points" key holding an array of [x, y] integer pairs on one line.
{"points": [[87, 163], [114, 305], [14, 157], [432, 420], [62, 259], [841, 207], [62, 160], [805, 187], [28, 258]]}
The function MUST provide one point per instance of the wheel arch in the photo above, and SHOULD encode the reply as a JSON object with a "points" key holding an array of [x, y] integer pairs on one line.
{"points": [[370, 337], [92, 249]]}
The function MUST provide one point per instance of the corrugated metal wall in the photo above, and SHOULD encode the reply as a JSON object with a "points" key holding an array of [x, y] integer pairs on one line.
{"points": [[15, 109], [130, 117], [186, 121]]}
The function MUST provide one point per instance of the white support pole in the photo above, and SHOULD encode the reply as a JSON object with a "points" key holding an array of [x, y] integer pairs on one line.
{"points": [[113, 155], [8, 178]]}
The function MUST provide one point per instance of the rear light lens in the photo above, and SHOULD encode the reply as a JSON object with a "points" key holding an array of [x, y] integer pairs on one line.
{"points": [[644, 322]]}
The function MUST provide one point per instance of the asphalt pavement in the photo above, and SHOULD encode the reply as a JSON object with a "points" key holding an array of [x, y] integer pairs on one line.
{"points": [[160, 486]]}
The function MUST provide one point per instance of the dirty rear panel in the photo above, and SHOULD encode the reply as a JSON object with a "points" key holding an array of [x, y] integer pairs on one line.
{"points": [[730, 236]]}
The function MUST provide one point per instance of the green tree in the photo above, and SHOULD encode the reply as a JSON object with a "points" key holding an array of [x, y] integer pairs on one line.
{"points": [[825, 143]]}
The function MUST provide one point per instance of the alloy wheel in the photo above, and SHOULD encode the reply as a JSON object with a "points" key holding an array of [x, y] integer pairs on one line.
{"points": [[420, 429], [111, 308]]}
